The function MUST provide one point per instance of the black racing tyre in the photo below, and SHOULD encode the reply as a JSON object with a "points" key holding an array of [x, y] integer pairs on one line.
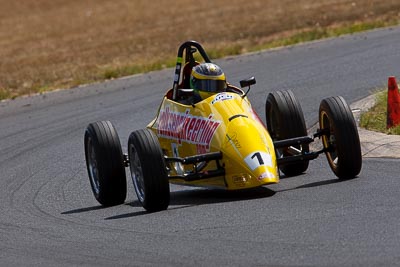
{"points": [[105, 163], [285, 120], [340, 139], [148, 170]]}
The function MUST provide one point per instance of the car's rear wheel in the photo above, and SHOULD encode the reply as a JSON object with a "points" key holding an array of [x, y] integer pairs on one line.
{"points": [[148, 170], [285, 120], [105, 163], [340, 139]]}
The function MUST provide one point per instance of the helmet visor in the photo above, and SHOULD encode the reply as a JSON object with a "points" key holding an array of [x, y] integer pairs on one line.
{"points": [[209, 85]]}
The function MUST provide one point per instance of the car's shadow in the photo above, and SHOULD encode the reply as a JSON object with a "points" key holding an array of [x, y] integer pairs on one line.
{"points": [[189, 198], [201, 196], [195, 197], [314, 184], [335, 180], [82, 210]]}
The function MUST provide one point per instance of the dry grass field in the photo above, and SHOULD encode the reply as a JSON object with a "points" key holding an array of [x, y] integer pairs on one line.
{"points": [[47, 44]]}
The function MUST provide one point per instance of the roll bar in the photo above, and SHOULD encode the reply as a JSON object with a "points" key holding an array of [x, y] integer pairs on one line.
{"points": [[189, 47]]}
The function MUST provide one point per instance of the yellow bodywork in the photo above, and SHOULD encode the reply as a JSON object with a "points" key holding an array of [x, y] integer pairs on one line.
{"points": [[224, 122]]}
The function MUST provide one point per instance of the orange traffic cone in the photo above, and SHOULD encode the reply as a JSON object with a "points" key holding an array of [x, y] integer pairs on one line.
{"points": [[393, 104]]}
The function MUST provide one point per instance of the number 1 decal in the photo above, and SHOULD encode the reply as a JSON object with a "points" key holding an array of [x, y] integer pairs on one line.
{"points": [[258, 155], [257, 159]]}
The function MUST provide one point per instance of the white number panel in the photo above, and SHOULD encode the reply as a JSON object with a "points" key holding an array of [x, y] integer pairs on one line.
{"points": [[257, 159]]}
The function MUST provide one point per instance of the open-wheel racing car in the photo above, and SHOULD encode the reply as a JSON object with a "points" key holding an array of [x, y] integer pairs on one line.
{"points": [[217, 142]]}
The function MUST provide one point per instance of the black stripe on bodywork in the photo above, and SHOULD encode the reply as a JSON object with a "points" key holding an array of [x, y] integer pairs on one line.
{"points": [[237, 116]]}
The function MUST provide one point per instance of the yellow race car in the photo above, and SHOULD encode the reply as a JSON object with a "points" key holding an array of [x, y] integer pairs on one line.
{"points": [[218, 141]]}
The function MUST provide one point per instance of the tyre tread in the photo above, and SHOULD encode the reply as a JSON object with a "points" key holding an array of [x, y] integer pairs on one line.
{"points": [[112, 177], [348, 143], [157, 194], [291, 124]]}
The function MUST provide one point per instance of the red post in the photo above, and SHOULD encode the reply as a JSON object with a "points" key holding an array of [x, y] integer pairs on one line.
{"points": [[393, 104]]}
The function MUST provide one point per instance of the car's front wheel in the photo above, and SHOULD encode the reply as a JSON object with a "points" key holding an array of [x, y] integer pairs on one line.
{"points": [[105, 163], [285, 120], [340, 140], [148, 170]]}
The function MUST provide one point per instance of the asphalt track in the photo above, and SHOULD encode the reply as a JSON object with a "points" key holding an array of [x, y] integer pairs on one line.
{"points": [[48, 216]]}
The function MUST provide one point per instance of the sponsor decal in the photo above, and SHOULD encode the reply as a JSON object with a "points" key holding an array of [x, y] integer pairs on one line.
{"points": [[233, 140], [221, 97], [265, 175], [184, 127], [239, 180], [176, 77]]}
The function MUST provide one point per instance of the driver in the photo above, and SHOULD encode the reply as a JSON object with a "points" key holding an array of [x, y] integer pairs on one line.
{"points": [[206, 80]]}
